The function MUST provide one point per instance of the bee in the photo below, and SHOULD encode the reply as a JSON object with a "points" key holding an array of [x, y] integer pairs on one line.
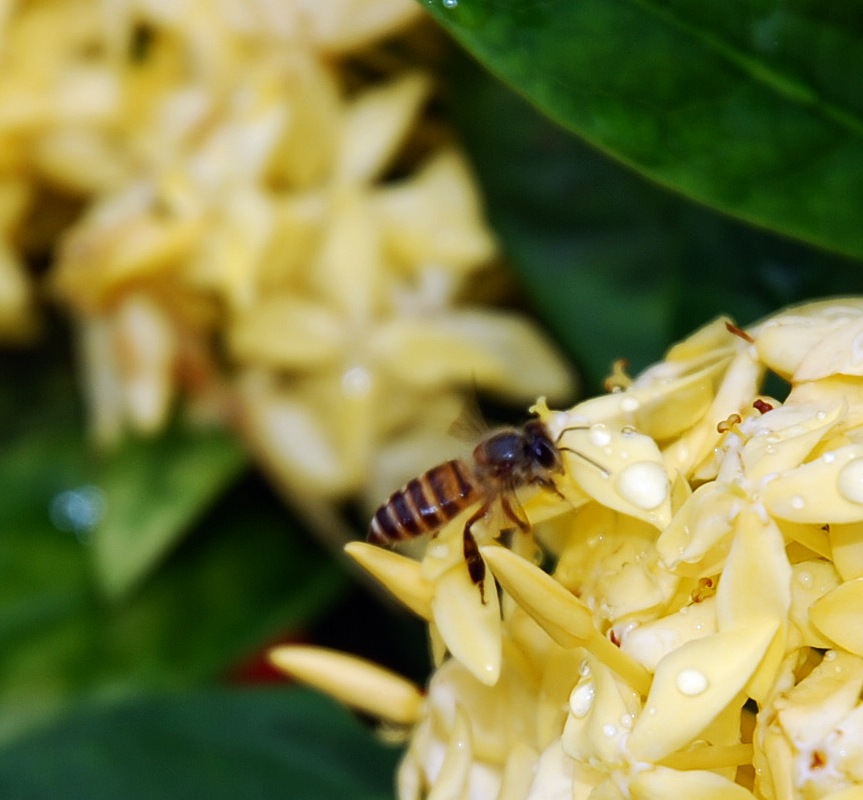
{"points": [[505, 460]]}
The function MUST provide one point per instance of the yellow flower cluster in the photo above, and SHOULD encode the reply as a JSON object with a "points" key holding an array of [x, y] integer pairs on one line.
{"points": [[250, 215], [699, 634]]}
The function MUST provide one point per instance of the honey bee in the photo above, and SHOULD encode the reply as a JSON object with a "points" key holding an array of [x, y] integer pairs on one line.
{"points": [[502, 462]]}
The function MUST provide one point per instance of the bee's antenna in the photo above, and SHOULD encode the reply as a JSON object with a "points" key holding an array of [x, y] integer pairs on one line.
{"points": [[580, 455]]}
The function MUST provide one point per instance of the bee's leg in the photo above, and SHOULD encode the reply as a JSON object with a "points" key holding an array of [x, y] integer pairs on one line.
{"points": [[475, 564], [548, 485], [520, 520]]}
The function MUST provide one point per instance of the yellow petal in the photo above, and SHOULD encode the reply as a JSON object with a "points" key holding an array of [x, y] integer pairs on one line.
{"points": [[662, 783], [563, 616], [829, 489], [786, 340], [837, 615], [400, 575], [470, 627], [502, 352], [693, 684], [375, 123], [784, 437], [452, 780], [351, 680], [518, 772], [651, 642], [756, 586], [847, 548], [436, 217], [622, 469]]}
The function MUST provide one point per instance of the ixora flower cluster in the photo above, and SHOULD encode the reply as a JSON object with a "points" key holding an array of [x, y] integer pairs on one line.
{"points": [[248, 205], [699, 635]]}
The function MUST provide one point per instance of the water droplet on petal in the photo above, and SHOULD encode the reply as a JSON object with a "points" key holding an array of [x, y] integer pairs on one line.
{"points": [[797, 502], [599, 435], [581, 700], [851, 481], [692, 682], [609, 730], [356, 382], [828, 458], [450, 3], [805, 579], [644, 484], [629, 404]]}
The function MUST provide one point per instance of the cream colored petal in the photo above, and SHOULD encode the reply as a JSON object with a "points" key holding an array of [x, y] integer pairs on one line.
{"points": [[340, 25], [351, 680], [399, 575], [436, 217], [839, 352], [810, 581], [811, 711], [699, 533], [348, 266], [784, 437], [756, 586], [786, 340], [837, 615], [285, 331], [502, 352], [106, 414], [290, 438], [661, 783], [846, 543], [622, 469], [562, 615], [694, 450], [706, 343], [470, 627], [145, 349], [375, 125], [452, 781], [601, 711], [693, 684], [651, 642], [519, 772], [829, 489]]}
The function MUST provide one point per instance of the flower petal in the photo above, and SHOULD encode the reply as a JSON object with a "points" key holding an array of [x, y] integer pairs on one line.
{"points": [[693, 684], [837, 615], [662, 783]]}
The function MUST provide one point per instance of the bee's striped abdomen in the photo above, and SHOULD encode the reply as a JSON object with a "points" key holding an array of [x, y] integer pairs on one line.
{"points": [[424, 504]]}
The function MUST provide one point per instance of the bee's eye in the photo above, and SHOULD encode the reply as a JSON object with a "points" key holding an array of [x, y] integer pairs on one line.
{"points": [[544, 453]]}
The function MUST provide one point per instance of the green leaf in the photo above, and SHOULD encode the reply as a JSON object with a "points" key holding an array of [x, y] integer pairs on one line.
{"points": [[153, 489], [245, 575], [752, 108], [617, 267], [210, 744]]}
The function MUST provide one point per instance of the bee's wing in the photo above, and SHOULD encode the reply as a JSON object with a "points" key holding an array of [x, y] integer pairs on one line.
{"points": [[470, 425]]}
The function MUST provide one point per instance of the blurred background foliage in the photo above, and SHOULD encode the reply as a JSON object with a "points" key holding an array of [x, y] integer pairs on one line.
{"points": [[645, 167]]}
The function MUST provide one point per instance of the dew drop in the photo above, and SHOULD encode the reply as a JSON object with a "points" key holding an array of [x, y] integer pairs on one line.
{"points": [[797, 502], [828, 458], [830, 655], [609, 730], [629, 404], [626, 721], [78, 510], [805, 579], [581, 700], [851, 481], [692, 682], [644, 484], [599, 435], [450, 3]]}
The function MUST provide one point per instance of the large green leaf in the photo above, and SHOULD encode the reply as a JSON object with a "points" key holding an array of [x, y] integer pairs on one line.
{"points": [[216, 744], [617, 267], [753, 107]]}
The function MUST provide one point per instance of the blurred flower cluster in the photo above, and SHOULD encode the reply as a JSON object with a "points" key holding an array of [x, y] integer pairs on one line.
{"points": [[698, 631], [250, 212]]}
